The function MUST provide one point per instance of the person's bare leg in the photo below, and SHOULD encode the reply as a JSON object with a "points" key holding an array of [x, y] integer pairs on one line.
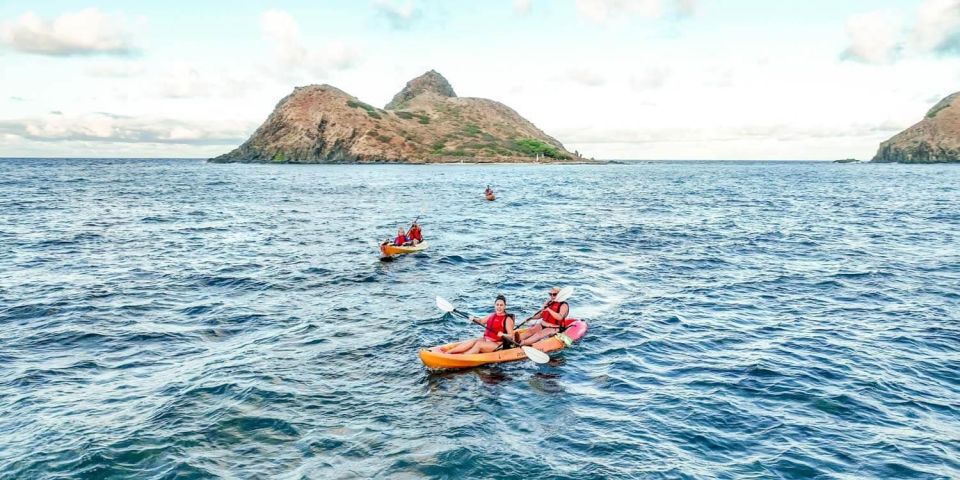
{"points": [[544, 333], [462, 347]]}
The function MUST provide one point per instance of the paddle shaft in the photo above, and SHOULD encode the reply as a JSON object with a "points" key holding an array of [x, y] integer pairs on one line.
{"points": [[531, 317]]}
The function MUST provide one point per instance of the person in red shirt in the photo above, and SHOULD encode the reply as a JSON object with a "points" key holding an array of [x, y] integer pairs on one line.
{"points": [[499, 327], [414, 235], [552, 319], [401, 238]]}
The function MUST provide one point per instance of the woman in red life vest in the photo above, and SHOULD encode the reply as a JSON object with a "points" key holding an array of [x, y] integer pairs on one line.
{"points": [[552, 319], [401, 238], [499, 325], [414, 235]]}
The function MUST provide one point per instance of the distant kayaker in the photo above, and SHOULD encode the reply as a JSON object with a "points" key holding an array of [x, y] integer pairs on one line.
{"points": [[414, 236], [552, 320], [401, 237], [488, 191], [499, 326]]}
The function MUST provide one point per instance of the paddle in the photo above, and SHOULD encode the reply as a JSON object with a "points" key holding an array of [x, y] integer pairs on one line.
{"points": [[532, 353], [562, 296]]}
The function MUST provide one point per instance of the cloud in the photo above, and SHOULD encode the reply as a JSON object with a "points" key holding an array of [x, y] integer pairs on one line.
{"points": [[118, 70], [686, 8], [521, 7], [873, 38], [400, 16], [110, 128], [87, 32], [938, 26], [293, 57], [778, 132], [878, 37], [184, 80], [650, 79], [601, 11], [584, 77]]}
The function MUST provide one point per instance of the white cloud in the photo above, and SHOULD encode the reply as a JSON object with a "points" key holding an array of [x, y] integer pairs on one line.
{"points": [[938, 26], [584, 76], [649, 79], [686, 8], [293, 57], [874, 37], [521, 7], [87, 32], [117, 70], [400, 16], [108, 128], [601, 11]]}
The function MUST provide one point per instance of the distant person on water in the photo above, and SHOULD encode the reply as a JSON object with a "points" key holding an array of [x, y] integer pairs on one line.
{"points": [[414, 236], [488, 191], [552, 320], [401, 237], [499, 328]]}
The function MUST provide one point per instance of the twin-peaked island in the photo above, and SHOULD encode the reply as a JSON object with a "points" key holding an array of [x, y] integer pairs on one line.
{"points": [[426, 122]]}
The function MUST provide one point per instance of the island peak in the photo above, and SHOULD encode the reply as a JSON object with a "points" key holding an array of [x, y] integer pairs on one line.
{"points": [[426, 122]]}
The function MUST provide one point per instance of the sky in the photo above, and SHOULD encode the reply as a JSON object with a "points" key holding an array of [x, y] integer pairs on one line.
{"points": [[613, 79]]}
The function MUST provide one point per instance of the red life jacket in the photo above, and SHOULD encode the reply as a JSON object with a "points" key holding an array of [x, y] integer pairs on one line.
{"points": [[547, 321], [415, 235], [400, 240], [496, 324]]}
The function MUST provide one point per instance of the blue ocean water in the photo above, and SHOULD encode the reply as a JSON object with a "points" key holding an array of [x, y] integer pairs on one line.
{"points": [[176, 319]]}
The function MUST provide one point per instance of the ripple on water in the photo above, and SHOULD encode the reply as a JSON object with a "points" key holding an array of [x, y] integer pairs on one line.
{"points": [[167, 319]]}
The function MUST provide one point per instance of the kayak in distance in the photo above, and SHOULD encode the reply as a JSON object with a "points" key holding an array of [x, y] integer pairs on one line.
{"points": [[387, 250]]}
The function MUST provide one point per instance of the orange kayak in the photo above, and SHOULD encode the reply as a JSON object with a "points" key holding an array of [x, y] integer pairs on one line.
{"points": [[490, 197], [387, 250], [437, 357]]}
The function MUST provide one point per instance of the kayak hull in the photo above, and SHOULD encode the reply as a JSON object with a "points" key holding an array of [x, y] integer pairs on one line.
{"points": [[490, 197], [436, 358], [387, 250]]}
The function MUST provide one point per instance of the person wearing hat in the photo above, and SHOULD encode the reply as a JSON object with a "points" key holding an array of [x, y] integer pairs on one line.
{"points": [[552, 317]]}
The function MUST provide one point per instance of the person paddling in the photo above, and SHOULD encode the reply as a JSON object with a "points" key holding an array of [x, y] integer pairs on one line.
{"points": [[488, 191], [499, 328], [552, 320], [414, 236]]}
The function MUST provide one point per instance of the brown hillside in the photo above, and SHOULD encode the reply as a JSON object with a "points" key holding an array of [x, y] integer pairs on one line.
{"points": [[425, 122]]}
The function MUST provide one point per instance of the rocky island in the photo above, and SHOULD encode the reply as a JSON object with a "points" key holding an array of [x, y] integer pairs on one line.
{"points": [[935, 139], [426, 122]]}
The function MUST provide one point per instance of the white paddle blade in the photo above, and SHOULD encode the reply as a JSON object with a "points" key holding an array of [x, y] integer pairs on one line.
{"points": [[564, 294], [536, 355], [444, 305]]}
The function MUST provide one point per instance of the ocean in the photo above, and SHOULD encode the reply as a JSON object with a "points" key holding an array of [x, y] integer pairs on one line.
{"points": [[176, 319]]}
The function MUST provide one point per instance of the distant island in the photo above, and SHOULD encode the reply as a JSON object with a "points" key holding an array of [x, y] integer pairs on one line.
{"points": [[426, 122], [935, 139]]}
